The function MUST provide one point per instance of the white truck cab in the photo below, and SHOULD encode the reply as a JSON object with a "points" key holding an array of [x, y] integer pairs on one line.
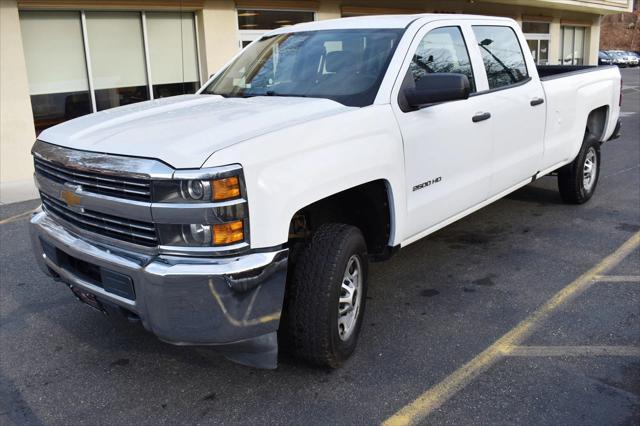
{"points": [[253, 207]]}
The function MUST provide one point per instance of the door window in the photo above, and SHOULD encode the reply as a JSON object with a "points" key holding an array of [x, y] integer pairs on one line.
{"points": [[502, 56], [442, 51]]}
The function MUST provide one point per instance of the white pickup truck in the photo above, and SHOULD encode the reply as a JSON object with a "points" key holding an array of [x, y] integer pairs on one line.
{"points": [[246, 214]]}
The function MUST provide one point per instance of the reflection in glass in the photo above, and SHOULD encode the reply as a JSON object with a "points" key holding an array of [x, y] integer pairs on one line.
{"points": [[578, 46], [346, 66], [442, 51], [56, 68], [567, 46], [270, 19], [544, 52], [501, 54]]}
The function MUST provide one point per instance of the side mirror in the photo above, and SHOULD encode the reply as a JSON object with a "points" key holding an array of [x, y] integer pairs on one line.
{"points": [[439, 87]]}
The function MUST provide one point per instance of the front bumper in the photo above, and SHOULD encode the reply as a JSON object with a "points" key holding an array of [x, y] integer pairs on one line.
{"points": [[233, 303]]}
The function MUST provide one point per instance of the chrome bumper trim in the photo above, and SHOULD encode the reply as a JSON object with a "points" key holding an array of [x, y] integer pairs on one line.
{"points": [[183, 300]]}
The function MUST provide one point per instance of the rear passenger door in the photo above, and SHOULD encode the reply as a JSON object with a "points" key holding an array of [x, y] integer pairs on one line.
{"points": [[448, 152], [515, 100]]}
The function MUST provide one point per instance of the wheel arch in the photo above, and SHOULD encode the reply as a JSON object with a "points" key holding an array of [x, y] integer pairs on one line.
{"points": [[368, 206], [597, 122]]}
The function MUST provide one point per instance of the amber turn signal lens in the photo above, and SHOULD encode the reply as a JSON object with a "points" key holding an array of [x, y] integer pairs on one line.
{"points": [[228, 233], [225, 189]]}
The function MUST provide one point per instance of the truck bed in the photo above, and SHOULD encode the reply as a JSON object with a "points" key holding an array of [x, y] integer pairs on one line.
{"points": [[548, 72]]}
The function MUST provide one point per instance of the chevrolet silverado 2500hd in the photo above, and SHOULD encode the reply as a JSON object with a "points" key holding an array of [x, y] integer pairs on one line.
{"points": [[246, 214]]}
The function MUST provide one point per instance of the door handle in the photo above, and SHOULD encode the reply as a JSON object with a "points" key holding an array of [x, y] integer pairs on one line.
{"points": [[537, 101], [481, 116]]}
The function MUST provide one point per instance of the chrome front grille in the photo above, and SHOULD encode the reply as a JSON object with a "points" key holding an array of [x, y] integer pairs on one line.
{"points": [[133, 231], [94, 182]]}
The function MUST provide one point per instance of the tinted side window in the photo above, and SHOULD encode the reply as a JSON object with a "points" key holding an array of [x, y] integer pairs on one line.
{"points": [[502, 55], [442, 50]]}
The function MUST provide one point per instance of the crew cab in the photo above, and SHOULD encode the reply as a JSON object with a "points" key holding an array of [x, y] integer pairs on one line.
{"points": [[245, 216]]}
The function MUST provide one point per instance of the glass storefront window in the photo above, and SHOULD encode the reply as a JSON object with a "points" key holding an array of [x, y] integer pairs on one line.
{"points": [[83, 62], [533, 48], [270, 19], [117, 58], [539, 49], [543, 48], [535, 27], [56, 66], [538, 36], [572, 45], [578, 46], [172, 53], [252, 23]]}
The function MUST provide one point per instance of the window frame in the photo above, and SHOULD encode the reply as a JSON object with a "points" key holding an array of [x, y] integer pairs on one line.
{"points": [[464, 42], [525, 58], [399, 66]]}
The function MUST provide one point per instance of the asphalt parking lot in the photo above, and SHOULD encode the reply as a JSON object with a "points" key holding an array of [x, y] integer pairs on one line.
{"points": [[526, 312]]}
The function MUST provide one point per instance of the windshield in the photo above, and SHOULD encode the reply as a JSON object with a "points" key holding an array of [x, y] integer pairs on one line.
{"points": [[346, 66]]}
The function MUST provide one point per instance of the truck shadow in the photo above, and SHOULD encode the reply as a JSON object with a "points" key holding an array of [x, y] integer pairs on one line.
{"points": [[538, 194]]}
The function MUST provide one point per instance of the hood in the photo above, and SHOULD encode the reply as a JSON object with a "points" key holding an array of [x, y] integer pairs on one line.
{"points": [[184, 131]]}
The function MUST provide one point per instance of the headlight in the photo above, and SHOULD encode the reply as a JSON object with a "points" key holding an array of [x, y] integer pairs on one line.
{"points": [[204, 208], [197, 190], [197, 235]]}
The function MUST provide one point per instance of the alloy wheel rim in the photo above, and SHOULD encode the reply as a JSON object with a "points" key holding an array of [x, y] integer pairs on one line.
{"points": [[350, 298], [589, 170]]}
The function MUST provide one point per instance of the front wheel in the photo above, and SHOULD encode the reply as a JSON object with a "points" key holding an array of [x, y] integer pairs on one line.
{"points": [[577, 180], [326, 296]]}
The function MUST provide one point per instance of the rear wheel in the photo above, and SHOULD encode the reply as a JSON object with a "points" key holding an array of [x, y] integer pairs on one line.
{"points": [[577, 180], [326, 296]]}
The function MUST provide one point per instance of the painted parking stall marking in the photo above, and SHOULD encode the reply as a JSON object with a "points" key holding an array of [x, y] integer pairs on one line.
{"points": [[18, 216], [510, 343], [567, 351]]}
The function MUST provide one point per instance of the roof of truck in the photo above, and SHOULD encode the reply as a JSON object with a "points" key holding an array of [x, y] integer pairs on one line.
{"points": [[378, 21]]}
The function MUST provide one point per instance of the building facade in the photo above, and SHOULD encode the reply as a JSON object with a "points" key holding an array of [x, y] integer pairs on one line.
{"points": [[61, 59]]}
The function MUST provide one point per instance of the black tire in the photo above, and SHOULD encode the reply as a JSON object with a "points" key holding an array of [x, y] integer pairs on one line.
{"points": [[310, 318], [571, 177]]}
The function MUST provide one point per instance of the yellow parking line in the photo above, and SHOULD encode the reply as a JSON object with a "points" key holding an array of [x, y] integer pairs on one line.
{"points": [[545, 351], [618, 278], [18, 216], [456, 381]]}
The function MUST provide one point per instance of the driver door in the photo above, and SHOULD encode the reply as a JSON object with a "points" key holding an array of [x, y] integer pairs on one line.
{"points": [[447, 146]]}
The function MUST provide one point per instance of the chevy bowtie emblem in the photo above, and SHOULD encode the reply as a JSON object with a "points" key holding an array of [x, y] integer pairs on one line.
{"points": [[70, 197]]}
